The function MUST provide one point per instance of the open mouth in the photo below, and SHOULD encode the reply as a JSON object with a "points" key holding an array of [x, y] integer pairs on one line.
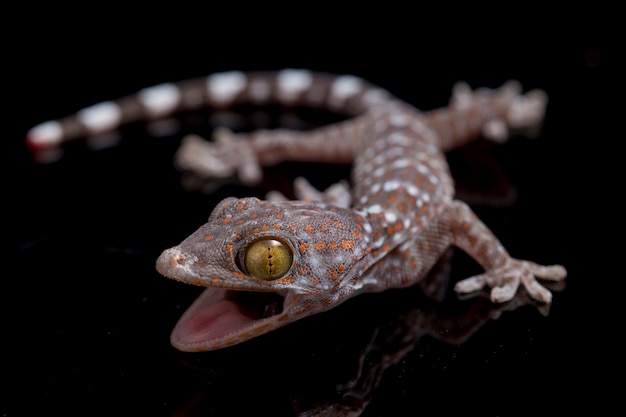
{"points": [[220, 318]]}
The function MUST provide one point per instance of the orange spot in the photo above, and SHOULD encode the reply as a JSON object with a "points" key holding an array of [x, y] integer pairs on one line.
{"points": [[309, 228], [332, 274], [279, 216], [237, 237], [324, 227], [240, 207], [263, 327], [386, 247], [347, 244], [276, 227], [209, 237], [314, 280], [265, 227], [356, 234], [240, 221], [292, 227], [319, 245], [238, 274], [406, 254], [227, 220], [265, 214], [398, 226], [332, 245], [341, 268], [391, 198], [304, 247], [255, 230], [303, 270], [288, 279], [215, 281], [359, 226], [413, 263], [229, 248], [389, 231]]}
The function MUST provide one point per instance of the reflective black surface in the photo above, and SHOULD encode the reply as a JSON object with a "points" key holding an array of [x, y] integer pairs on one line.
{"points": [[86, 318]]}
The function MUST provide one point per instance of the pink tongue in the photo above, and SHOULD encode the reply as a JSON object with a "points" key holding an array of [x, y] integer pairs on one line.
{"points": [[209, 318]]}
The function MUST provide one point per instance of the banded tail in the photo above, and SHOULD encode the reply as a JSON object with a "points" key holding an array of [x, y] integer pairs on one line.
{"points": [[345, 94]]}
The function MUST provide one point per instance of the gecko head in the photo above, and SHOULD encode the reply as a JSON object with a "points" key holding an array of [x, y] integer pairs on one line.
{"points": [[266, 264]]}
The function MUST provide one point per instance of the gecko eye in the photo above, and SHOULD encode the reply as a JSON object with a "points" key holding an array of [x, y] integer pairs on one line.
{"points": [[267, 259]]}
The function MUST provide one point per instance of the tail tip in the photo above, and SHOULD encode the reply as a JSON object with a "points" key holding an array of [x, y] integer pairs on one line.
{"points": [[43, 141]]}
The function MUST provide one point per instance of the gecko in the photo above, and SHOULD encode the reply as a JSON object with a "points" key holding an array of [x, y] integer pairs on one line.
{"points": [[268, 263]]}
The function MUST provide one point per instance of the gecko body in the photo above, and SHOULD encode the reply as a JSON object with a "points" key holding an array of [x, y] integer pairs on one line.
{"points": [[267, 263]]}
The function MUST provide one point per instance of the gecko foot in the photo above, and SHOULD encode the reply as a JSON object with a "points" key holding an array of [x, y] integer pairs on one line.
{"points": [[227, 156], [505, 280]]}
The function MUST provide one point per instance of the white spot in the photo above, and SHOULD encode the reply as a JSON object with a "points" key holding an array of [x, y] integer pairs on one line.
{"points": [[292, 82], [369, 153], [433, 179], [160, 99], [376, 188], [224, 86], [399, 120], [379, 242], [379, 172], [100, 117], [423, 169], [376, 96], [375, 209], [46, 134], [379, 159], [343, 88], [413, 191], [399, 139], [391, 217], [259, 90], [392, 185], [367, 228], [402, 163]]}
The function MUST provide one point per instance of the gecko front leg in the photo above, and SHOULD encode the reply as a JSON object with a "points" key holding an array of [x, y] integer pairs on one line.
{"points": [[229, 155], [503, 274]]}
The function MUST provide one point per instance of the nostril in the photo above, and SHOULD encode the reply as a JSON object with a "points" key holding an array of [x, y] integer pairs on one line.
{"points": [[170, 260]]}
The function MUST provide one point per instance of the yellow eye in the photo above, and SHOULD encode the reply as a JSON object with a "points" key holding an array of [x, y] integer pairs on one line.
{"points": [[267, 259]]}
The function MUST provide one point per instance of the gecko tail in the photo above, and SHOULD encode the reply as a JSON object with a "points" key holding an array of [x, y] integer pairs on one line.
{"points": [[343, 94]]}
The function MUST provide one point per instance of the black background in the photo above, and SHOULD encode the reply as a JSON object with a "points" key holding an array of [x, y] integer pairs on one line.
{"points": [[86, 318]]}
